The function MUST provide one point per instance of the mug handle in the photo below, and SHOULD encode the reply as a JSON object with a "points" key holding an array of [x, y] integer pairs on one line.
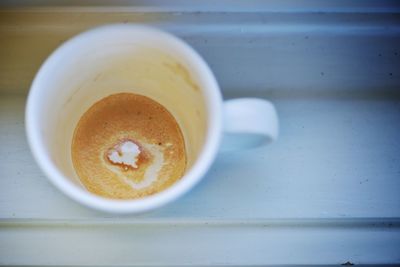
{"points": [[248, 123]]}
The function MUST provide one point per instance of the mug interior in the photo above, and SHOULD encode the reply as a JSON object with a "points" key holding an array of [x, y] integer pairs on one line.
{"points": [[118, 59]]}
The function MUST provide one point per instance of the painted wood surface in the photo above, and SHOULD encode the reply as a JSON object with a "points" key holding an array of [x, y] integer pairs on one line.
{"points": [[327, 192]]}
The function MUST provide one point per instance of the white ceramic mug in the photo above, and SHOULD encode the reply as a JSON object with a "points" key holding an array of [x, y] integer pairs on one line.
{"points": [[133, 58]]}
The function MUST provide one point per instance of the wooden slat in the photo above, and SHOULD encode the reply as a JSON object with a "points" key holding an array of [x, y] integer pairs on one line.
{"points": [[267, 51], [335, 158], [200, 244]]}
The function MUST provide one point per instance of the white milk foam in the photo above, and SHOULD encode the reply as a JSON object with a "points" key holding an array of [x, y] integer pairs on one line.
{"points": [[127, 153], [151, 173]]}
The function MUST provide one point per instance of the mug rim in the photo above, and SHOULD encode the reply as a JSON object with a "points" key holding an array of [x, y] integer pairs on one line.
{"points": [[213, 101]]}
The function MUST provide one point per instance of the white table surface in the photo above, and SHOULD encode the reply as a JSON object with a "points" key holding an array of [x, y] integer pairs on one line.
{"points": [[327, 192]]}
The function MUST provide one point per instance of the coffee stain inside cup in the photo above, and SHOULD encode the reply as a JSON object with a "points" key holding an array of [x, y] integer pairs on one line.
{"points": [[180, 70], [128, 146]]}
